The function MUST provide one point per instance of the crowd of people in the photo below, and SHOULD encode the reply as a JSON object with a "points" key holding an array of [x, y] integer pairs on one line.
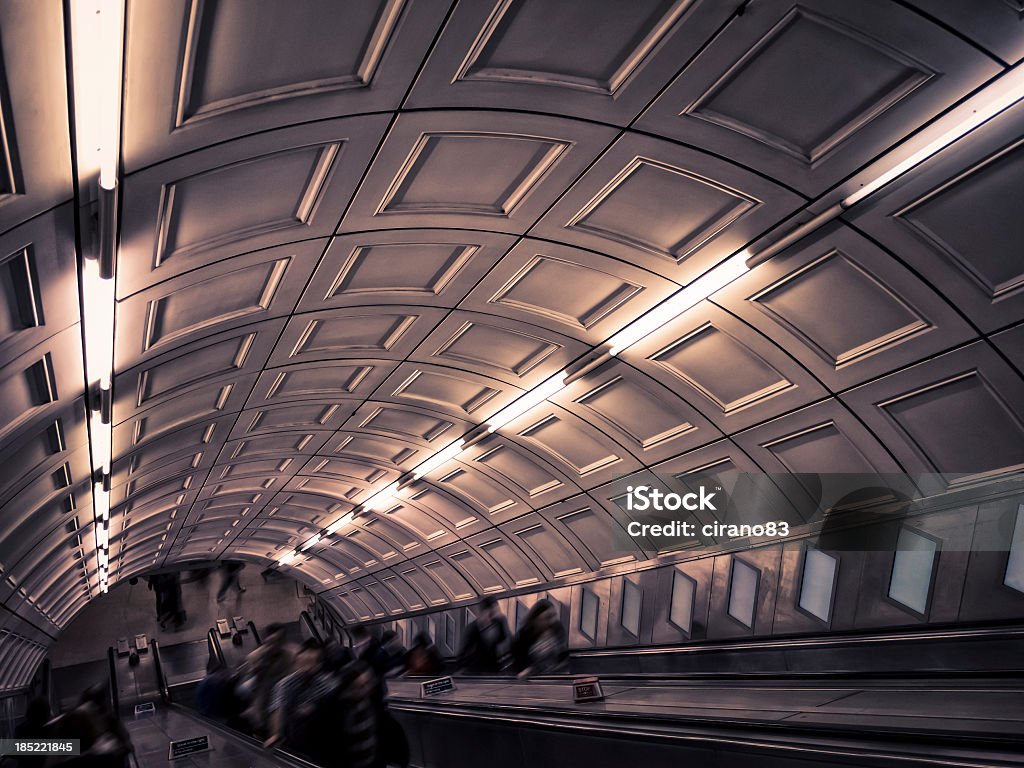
{"points": [[327, 702]]}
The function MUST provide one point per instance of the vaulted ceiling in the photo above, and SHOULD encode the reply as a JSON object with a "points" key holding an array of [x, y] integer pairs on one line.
{"points": [[349, 235]]}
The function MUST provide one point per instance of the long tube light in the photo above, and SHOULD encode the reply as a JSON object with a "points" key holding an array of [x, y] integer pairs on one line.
{"points": [[525, 402], [429, 465], [1003, 93], [97, 35], [680, 301]]}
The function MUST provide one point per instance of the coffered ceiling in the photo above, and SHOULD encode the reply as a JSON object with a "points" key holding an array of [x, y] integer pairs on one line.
{"points": [[348, 236]]}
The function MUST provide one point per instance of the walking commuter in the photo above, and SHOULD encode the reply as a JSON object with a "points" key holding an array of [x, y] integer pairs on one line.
{"points": [[295, 699], [230, 573], [423, 657], [540, 647], [486, 640]]}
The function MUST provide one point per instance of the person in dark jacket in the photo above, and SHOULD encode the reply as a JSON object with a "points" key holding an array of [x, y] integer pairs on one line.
{"points": [[540, 648], [487, 637]]}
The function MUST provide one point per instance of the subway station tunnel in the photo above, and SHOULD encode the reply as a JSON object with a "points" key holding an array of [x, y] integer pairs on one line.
{"points": [[395, 299]]}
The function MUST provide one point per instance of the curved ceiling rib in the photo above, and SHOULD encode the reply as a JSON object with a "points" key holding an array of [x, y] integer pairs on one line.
{"points": [[348, 241]]}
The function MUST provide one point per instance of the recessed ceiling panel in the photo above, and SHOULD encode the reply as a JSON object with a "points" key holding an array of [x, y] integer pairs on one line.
{"points": [[733, 374], [358, 332], [199, 72], [530, 285], [284, 186], [958, 414], [472, 170], [672, 210], [844, 308], [879, 70], [38, 289], [956, 221], [320, 380], [514, 352], [530, 54], [35, 165], [652, 421], [431, 267]]}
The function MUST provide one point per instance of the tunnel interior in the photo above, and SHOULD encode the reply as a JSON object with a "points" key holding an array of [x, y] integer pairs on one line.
{"points": [[400, 300]]}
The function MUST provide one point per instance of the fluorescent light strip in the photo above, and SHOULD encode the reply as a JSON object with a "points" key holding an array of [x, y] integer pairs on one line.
{"points": [[97, 35], [694, 293], [994, 99], [527, 401], [445, 454], [98, 314]]}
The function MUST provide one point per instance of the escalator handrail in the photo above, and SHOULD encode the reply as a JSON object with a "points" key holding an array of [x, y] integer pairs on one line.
{"points": [[161, 678], [255, 632], [306, 619], [115, 703], [216, 651]]}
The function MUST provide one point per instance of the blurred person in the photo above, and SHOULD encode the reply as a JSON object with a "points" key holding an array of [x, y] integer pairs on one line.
{"points": [[540, 648], [486, 639], [393, 653], [103, 741], [295, 699], [214, 691], [423, 657], [230, 574], [262, 669]]}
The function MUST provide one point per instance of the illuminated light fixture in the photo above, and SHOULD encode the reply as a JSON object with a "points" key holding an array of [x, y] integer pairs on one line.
{"points": [[447, 453], [97, 35], [100, 442], [334, 527], [994, 99], [694, 293], [381, 499], [101, 502], [98, 315], [286, 559], [312, 542], [529, 400]]}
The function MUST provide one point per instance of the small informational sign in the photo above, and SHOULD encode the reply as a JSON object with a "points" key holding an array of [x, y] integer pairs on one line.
{"points": [[586, 689], [239, 624], [145, 708], [140, 643], [122, 646], [186, 747], [223, 629], [436, 687]]}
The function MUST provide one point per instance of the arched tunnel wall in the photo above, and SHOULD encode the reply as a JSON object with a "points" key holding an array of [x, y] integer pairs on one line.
{"points": [[334, 273]]}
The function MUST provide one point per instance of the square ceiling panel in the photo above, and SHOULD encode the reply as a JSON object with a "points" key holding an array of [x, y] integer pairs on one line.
{"points": [[318, 380], [38, 286], [472, 170], [601, 61], [432, 267], [956, 220], [200, 72], [958, 414], [843, 307], [281, 186], [806, 93], [508, 350], [672, 210], [530, 284], [35, 165], [359, 332], [735, 376]]}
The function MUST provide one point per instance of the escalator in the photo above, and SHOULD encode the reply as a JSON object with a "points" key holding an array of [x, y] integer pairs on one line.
{"points": [[169, 720]]}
